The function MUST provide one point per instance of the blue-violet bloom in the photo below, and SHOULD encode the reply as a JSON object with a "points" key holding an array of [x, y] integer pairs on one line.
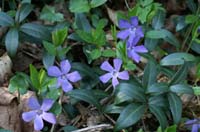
{"points": [[132, 52], [63, 76], [130, 30], [195, 123], [113, 72], [39, 113]]}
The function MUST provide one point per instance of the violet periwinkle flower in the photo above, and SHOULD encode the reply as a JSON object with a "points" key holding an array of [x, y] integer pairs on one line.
{"points": [[63, 76], [130, 30], [39, 113], [113, 72], [132, 52], [195, 124]]}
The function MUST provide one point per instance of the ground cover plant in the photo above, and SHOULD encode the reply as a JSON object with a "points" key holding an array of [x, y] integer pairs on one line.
{"points": [[102, 65]]}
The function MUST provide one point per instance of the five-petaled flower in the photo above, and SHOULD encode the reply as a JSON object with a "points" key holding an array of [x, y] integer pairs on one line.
{"points": [[195, 124], [130, 30], [63, 76], [39, 112], [113, 73], [132, 52]]}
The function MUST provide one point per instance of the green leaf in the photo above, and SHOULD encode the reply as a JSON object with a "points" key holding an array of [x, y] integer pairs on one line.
{"points": [[49, 47], [178, 58], [49, 14], [79, 6], [150, 74], [56, 109], [171, 129], [175, 107], [129, 116], [85, 95], [19, 83], [156, 34], [87, 37], [191, 19], [180, 75], [160, 115], [12, 41], [82, 22], [34, 77], [23, 12], [69, 128], [5, 20], [158, 20], [4, 130], [158, 100], [158, 88], [59, 36], [170, 38], [129, 92], [196, 90], [181, 89], [113, 109], [108, 53], [53, 94], [48, 59], [180, 23], [96, 53], [150, 44], [96, 3], [36, 30]]}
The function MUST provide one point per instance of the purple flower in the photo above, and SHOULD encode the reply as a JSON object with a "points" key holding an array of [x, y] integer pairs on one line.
{"points": [[113, 72], [195, 123], [39, 112], [131, 30], [63, 76], [133, 51]]}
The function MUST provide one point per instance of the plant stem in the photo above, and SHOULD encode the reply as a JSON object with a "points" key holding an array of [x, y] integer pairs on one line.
{"points": [[127, 5], [59, 102]]}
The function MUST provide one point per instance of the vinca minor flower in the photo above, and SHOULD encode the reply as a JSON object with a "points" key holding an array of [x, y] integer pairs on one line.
{"points": [[195, 123], [63, 76], [113, 72], [130, 30], [133, 51], [39, 112]]}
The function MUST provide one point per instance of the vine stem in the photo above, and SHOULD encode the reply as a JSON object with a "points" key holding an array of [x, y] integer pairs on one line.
{"points": [[59, 102]]}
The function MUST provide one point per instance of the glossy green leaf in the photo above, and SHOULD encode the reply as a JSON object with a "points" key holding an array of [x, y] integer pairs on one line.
{"points": [[158, 88], [49, 14], [108, 53], [96, 53], [79, 6], [180, 75], [150, 74], [82, 22], [59, 36], [36, 30], [160, 115], [196, 90], [24, 10], [56, 109], [85, 95], [48, 59], [158, 100], [170, 38], [128, 92], [12, 41], [5, 19], [113, 109], [181, 89], [96, 3], [171, 129], [175, 107], [180, 23], [178, 58], [191, 19], [34, 77], [4, 130], [150, 44], [129, 116], [158, 20], [156, 34], [51, 49]]}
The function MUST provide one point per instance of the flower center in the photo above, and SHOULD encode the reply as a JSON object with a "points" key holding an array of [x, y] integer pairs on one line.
{"points": [[114, 73], [39, 112], [132, 29], [63, 76]]}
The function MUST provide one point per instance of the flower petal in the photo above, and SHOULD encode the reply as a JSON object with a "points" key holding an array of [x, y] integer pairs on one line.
{"points": [[139, 32], [135, 56], [106, 77], [49, 117], [47, 104], [140, 49], [195, 128], [115, 82], [54, 71], [134, 21], [190, 122], [123, 34], [74, 76], [123, 75], [131, 38], [28, 116], [117, 64], [135, 40], [65, 66], [66, 86], [33, 103], [124, 24], [106, 66], [38, 123]]}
